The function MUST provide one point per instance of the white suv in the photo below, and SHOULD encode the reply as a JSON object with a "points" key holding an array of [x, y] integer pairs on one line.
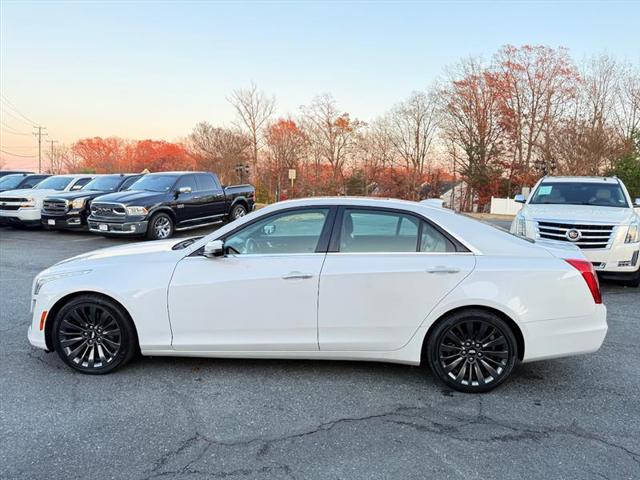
{"points": [[23, 207], [594, 213]]}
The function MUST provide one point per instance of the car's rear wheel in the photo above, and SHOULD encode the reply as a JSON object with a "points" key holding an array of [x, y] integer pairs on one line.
{"points": [[160, 227], [93, 335], [237, 211], [472, 351]]}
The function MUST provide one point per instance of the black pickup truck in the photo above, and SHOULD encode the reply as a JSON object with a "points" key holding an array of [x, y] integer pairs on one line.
{"points": [[159, 204], [70, 210]]}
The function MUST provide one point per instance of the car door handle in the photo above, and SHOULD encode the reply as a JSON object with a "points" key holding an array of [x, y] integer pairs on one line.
{"points": [[442, 269], [294, 275]]}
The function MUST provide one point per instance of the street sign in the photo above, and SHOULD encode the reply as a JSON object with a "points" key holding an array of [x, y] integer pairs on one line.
{"points": [[292, 174]]}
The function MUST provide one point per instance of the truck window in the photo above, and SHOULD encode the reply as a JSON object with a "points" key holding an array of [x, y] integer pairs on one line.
{"points": [[187, 181], [206, 182], [128, 182]]}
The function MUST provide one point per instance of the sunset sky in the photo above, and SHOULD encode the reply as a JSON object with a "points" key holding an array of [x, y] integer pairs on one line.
{"points": [[153, 70]]}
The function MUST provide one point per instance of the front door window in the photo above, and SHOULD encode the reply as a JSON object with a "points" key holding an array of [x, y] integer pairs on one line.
{"points": [[287, 233]]}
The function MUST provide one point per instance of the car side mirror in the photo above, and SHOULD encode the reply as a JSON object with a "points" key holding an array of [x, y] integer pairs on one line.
{"points": [[637, 202], [184, 190], [520, 198], [214, 248]]}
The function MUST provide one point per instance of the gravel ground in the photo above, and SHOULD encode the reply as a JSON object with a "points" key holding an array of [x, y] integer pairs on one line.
{"points": [[248, 419]]}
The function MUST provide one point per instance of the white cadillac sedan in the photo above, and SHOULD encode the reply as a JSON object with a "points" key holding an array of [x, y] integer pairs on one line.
{"points": [[328, 278]]}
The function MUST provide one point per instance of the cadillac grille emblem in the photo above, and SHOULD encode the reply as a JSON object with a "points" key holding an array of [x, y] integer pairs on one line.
{"points": [[574, 235]]}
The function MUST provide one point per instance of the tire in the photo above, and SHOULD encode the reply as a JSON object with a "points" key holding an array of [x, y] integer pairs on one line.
{"points": [[635, 280], [94, 335], [237, 211], [160, 227], [467, 366]]}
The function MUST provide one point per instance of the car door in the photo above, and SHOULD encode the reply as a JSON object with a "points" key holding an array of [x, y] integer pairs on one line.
{"points": [[213, 196], [187, 206], [385, 271], [261, 296]]}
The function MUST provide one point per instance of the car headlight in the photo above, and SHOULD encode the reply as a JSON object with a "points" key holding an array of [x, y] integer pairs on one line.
{"points": [[136, 211], [31, 202], [633, 233], [44, 279], [521, 225], [79, 202]]}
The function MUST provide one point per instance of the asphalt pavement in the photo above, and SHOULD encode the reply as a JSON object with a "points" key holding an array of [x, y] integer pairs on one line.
{"points": [[255, 419]]}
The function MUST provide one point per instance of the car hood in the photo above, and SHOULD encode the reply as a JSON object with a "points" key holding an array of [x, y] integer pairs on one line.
{"points": [[127, 255], [29, 192], [580, 213], [130, 197], [77, 194]]}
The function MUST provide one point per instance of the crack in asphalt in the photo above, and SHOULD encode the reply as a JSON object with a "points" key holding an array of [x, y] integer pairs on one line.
{"points": [[404, 416]]}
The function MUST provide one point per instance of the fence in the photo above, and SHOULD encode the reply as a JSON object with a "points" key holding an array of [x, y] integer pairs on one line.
{"points": [[504, 206]]}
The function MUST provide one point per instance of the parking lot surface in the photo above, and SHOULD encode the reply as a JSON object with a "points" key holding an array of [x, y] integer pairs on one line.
{"points": [[256, 419]]}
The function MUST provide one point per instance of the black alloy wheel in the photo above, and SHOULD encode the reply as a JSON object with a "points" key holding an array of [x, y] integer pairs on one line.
{"points": [[472, 351], [93, 335]]}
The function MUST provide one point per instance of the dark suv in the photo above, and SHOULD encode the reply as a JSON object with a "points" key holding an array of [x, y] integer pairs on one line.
{"points": [[160, 203], [70, 210]]}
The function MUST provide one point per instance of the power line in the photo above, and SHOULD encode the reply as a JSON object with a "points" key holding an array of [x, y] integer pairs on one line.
{"points": [[6, 100], [39, 134], [15, 117], [10, 129], [17, 154]]}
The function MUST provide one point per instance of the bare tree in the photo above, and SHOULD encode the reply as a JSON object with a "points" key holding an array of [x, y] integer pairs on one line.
{"points": [[413, 129], [332, 135], [254, 108], [219, 149], [627, 105], [471, 125]]}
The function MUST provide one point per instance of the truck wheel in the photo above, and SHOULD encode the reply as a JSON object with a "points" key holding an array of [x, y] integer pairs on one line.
{"points": [[237, 211], [160, 227]]}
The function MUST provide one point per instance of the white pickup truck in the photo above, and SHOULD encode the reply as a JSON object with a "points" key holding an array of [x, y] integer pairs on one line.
{"points": [[594, 213]]}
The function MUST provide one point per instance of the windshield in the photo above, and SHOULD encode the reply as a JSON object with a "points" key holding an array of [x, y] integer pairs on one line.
{"points": [[575, 193], [108, 183], [154, 183], [11, 181], [54, 183]]}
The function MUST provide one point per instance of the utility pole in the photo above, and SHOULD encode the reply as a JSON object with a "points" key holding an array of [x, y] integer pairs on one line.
{"points": [[39, 134], [51, 142]]}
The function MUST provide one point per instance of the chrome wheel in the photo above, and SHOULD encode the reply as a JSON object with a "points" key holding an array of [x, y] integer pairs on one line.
{"points": [[474, 353], [89, 336], [239, 211], [162, 227]]}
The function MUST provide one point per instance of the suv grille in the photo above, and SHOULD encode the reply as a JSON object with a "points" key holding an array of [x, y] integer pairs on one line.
{"points": [[9, 203], [55, 207], [108, 211], [582, 235]]}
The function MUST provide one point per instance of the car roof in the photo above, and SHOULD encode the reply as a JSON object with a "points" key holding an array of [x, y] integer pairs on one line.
{"points": [[581, 179]]}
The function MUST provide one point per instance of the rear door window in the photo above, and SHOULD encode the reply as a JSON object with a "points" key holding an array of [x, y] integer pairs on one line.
{"points": [[378, 231], [206, 182]]}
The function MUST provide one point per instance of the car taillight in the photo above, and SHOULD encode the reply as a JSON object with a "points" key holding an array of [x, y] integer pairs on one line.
{"points": [[589, 274]]}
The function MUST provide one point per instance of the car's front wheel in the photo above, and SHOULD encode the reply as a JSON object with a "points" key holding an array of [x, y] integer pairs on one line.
{"points": [[93, 335], [472, 351], [160, 227]]}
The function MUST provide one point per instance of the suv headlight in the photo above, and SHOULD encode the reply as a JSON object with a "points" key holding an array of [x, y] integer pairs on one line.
{"points": [[521, 225], [41, 281], [633, 233], [31, 202], [79, 202], [136, 211]]}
